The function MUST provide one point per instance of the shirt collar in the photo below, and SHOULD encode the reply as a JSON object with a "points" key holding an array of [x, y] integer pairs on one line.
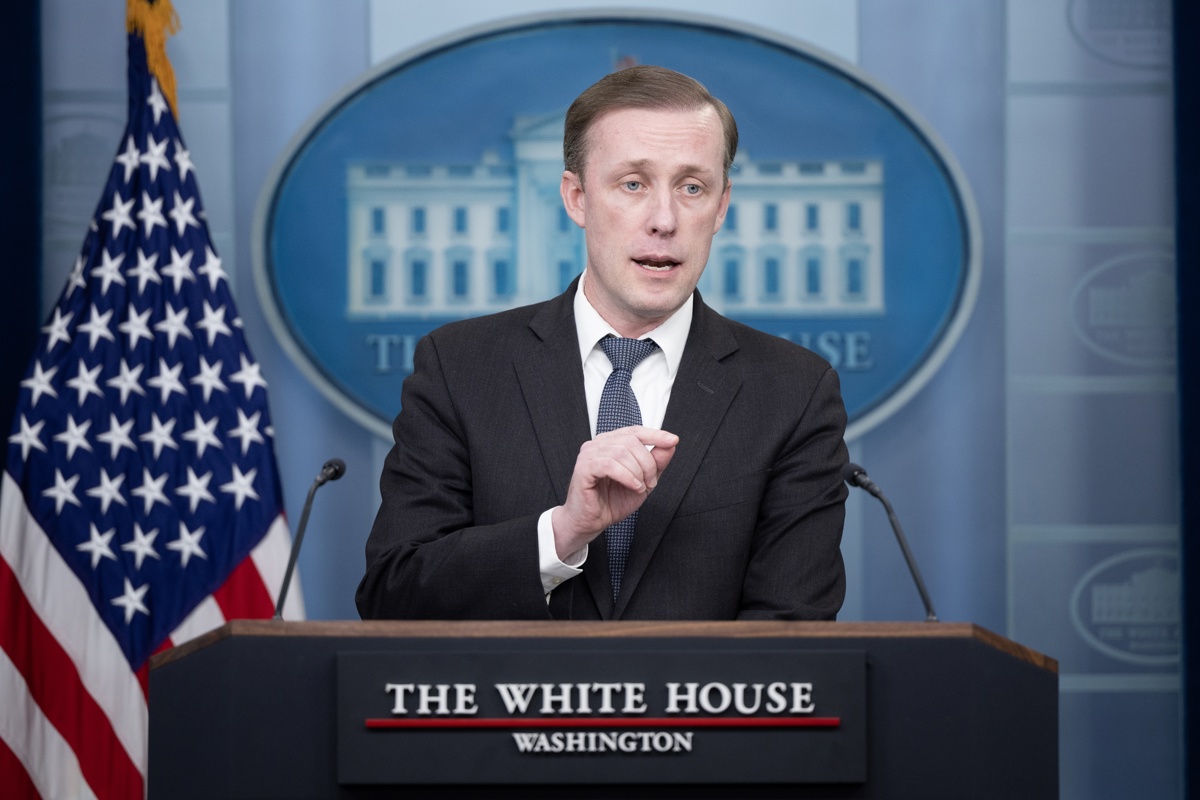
{"points": [[670, 336]]}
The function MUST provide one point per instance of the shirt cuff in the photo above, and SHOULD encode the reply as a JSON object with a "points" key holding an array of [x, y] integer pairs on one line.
{"points": [[554, 570]]}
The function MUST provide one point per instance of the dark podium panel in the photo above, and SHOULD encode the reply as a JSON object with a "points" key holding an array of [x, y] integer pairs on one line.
{"points": [[256, 709]]}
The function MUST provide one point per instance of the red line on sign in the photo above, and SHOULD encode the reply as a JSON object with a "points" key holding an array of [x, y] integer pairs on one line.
{"points": [[612, 722]]}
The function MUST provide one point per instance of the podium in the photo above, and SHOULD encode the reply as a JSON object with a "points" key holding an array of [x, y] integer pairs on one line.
{"points": [[274, 709]]}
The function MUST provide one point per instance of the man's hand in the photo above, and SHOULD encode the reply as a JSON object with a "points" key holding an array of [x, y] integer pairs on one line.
{"points": [[613, 475]]}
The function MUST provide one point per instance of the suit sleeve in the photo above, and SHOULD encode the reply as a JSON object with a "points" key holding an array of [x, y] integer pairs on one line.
{"points": [[795, 570], [427, 558]]}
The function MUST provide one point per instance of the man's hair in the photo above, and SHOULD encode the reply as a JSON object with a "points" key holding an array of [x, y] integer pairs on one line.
{"points": [[646, 87]]}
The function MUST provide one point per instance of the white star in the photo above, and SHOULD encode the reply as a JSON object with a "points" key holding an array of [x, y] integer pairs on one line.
{"points": [[76, 281], [196, 489], [135, 327], [160, 437], [142, 545], [249, 376], [212, 268], [58, 328], [151, 213], [156, 100], [129, 159], [117, 435], [174, 326], [182, 213], [183, 160], [30, 436], [241, 487], [209, 378], [151, 491], [97, 327], [155, 156], [84, 382], [63, 491], [98, 545], [131, 600], [146, 270], [247, 430], [180, 268], [39, 382], [109, 271], [188, 543], [75, 436], [128, 381], [108, 490], [118, 215], [167, 380], [214, 323], [203, 434]]}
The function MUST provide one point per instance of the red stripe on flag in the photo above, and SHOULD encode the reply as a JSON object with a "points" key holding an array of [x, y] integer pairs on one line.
{"points": [[243, 595], [56, 687], [14, 780], [143, 674]]}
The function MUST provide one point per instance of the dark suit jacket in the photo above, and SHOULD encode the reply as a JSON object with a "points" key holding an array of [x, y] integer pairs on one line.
{"points": [[745, 522]]}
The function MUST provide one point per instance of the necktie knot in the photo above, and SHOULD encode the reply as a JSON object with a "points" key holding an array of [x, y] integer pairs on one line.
{"points": [[626, 354]]}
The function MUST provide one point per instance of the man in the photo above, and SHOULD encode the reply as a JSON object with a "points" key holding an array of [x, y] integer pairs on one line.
{"points": [[501, 499]]}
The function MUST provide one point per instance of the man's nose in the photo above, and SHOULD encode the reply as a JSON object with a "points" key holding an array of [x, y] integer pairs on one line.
{"points": [[662, 218]]}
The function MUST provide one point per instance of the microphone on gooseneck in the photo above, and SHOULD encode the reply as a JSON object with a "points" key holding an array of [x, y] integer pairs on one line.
{"points": [[857, 476], [333, 469]]}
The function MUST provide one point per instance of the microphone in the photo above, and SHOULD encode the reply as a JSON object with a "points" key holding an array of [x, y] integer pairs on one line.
{"points": [[333, 469], [855, 475]]}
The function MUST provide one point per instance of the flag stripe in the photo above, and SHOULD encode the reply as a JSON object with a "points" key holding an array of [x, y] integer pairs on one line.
{"points": [[203, 619], [49, 761], [271, 557], [52, 682], [243, 595], [13, 776], [61, 603]]}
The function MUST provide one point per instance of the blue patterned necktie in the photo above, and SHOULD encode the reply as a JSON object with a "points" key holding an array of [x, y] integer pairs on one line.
{"points": [[618, 409]]}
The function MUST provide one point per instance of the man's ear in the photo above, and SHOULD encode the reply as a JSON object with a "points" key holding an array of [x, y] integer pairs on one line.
{"points": [[724, 209], [574, 200]]}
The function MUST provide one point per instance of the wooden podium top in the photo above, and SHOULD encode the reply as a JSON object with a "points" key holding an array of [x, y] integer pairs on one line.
{"points": [[427, 629]]}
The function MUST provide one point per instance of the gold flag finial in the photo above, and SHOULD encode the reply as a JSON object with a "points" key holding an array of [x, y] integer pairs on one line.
{"points": [[155, 20]]}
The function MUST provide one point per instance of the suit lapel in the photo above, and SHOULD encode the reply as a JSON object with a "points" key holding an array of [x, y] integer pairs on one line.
{"points": [[551, 378], [700, 396]]}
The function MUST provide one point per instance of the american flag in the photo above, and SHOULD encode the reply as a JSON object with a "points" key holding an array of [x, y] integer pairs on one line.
{"points": [[141, 504]]}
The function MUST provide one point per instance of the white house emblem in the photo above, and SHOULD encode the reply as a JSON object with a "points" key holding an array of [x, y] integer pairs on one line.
{"points": [[429, 193]]}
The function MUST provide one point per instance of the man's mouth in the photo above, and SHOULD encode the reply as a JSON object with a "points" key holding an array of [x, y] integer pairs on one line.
{"points": [[656, 265]]}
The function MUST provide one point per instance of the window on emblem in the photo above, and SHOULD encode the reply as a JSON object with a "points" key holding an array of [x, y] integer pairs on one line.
{"points": [[854, 216]]}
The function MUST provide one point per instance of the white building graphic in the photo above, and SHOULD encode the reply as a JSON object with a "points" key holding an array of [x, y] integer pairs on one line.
{"points": [[458, 240], [1144, 300], [1149, 597]]}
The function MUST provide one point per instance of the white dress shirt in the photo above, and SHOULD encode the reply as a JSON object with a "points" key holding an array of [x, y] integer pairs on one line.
{"points": [[651, 383]]}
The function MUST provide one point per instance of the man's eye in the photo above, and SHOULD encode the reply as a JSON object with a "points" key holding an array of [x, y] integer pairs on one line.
{"points": [[633, 186], [692, 188]]}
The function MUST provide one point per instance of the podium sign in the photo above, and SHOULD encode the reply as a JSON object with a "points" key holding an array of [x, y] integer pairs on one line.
{"points": [[593, 715]]}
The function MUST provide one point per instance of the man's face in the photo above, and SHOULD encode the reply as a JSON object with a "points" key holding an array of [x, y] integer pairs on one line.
{"points": [[653, 195]]}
